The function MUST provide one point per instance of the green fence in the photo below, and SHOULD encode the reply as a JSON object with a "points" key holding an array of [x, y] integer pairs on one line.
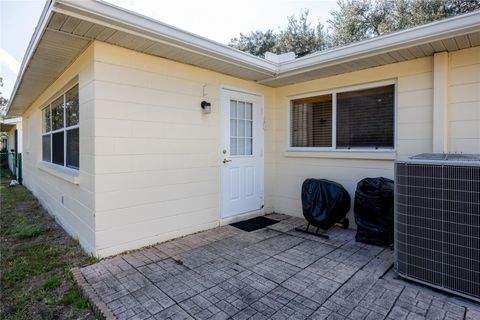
{"points": [[13, 162]]}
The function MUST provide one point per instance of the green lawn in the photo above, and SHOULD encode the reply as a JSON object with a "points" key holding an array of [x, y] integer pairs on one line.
{"points": [[36, 256]]}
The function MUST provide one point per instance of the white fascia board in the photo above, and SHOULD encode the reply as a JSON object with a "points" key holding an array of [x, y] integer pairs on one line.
{"points": [[12, 120], [395, 41], [37, 35], [121, 19]]}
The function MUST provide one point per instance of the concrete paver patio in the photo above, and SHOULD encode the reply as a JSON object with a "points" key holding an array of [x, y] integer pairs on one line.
{"points": [[272, 273]]}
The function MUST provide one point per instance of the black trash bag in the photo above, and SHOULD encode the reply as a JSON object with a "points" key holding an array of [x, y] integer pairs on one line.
{"points": [[373, 208], [324, 202]]}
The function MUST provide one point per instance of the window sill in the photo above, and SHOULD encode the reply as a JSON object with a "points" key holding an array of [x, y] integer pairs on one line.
{"points": [[64, 173], [373, 155]]}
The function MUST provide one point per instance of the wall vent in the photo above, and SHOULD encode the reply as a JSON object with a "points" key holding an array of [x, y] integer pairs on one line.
{"points": [[437, 221]]}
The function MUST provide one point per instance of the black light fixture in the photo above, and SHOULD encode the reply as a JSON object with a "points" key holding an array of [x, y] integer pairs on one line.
{"points": [[206, 106]]}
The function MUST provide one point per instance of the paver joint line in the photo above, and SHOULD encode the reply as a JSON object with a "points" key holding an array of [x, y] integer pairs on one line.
{"points": [[273, 273], [99, 307]]}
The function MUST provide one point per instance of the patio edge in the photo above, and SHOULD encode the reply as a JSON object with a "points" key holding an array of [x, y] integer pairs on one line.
{"points": [[99, 307]]}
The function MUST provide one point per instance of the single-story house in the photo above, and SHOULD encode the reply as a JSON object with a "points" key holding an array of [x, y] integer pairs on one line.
{"points": [[136, 132], [12, 141]]}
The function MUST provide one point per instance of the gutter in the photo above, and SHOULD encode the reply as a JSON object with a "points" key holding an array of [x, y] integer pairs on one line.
{"points": [[419, 35], [112, 16], [106, 14]]}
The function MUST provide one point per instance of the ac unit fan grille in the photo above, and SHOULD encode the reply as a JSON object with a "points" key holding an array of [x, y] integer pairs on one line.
{"points": [[437, 225]]}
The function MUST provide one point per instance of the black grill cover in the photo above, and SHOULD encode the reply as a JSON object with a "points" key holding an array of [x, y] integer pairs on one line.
{"points": [[373, 210], [324, 202]]}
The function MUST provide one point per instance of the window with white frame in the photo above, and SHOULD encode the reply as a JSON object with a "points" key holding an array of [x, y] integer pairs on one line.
{"points": [[344, 120], [60, 139]]}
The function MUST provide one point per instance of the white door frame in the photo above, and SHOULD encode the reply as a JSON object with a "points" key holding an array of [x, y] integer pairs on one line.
{"points": [[259, 145]]}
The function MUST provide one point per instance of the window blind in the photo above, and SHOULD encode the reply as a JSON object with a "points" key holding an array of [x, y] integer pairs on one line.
{"points": [[311, 122]]}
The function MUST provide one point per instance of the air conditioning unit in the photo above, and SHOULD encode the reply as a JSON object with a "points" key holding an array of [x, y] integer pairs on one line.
{"points": [[437, 221]]}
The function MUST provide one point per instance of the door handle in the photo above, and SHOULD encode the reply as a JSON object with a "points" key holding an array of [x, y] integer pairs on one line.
{"points": [[226, 160]]}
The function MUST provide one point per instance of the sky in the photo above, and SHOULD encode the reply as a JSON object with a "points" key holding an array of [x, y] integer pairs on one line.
{"points": [[219, 20]]}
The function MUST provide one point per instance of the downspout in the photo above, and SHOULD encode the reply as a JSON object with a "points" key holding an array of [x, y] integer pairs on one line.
{"points": [[440, 102]]}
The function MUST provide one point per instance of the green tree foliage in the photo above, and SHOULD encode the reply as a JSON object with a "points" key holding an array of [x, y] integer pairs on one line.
{"points": [[256, 43], [354, 20], [299, 36], [3, 101]]}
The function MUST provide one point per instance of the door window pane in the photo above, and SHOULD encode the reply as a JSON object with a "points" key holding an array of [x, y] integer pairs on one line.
{"points": [[248, 110], [46, 151], [233, 146], [248, 146], [241, 146], [57, 114], [57, 148], [71, 106], [73, 148], [241, 128], [233, 127], [241, 110], [248, 129], [233, 109]]}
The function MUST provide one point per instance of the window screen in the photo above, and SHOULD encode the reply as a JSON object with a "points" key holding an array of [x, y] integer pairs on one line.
{"points": [[311, 122], [365, 118], [73, 148], [46, 150]]}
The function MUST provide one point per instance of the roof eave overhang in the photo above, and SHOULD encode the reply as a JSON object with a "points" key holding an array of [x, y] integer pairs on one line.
{"points": [[108, 15], [429, 33], [264, 71], [37, 35], [115, 17]]}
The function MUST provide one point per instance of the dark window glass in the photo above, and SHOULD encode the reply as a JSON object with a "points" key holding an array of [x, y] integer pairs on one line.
{"points": [[46, 155], [57, 114], [46, 120], [311, 122], [365, 118], [71, 106], [73, 148], [57, 147]]}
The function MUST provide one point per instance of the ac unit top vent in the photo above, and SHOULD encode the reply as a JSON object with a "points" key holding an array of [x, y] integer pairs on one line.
{"points": [[447, 157]]}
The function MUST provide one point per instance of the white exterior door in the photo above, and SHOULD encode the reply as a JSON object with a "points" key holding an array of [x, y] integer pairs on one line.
{"points": [[242, 152]]}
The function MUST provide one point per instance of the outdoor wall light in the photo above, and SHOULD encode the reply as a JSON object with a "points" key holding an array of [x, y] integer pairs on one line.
{"points": [[206, 107]]}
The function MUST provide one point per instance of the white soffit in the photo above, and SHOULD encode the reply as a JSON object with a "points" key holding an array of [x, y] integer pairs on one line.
{"points": [[451, 34], [66, 28]]}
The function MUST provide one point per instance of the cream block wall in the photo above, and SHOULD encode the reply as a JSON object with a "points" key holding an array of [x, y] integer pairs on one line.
{"points": [[413, 132], [150, 159], [76, 213], [157, 156], [464, 101]]}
